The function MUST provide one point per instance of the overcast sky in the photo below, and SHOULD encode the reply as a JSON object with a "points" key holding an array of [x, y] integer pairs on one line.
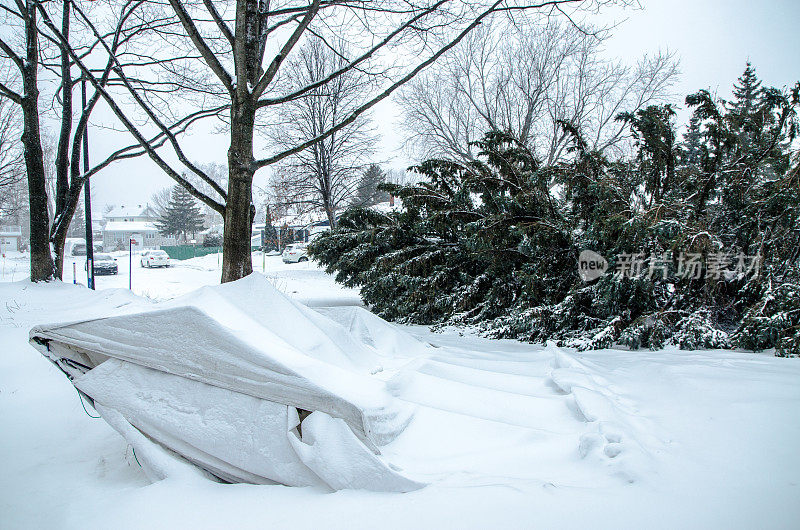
{"points": [[713, 39]]}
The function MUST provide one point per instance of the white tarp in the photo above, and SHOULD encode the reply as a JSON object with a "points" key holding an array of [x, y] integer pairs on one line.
{"points": [[218, 376], [373, 331]]}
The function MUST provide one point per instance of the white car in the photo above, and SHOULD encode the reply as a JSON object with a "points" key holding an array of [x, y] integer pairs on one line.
{"points": [[154, 258], [295, 253]]}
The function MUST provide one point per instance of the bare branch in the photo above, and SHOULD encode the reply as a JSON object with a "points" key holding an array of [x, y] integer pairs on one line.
{"points": [[120, 114], [208, 55], [218, 20], [269, 74], [12, 55], [369, 53], [144, 106], [10, 94], [386, 93]]}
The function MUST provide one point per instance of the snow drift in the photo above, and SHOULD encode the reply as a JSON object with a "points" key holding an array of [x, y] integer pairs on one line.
{"points": [[242, 382]]}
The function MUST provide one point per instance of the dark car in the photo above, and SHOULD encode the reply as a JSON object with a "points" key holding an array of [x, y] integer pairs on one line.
{"points": [[103, 264], [79, 249]]}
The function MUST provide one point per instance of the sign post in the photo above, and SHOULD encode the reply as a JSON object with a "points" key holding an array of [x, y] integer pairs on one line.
{"points": [[87, 208]]}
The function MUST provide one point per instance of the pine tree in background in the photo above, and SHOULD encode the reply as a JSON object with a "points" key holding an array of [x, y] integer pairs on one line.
{"points": [[743, 111], [692, 143], [756, 133], [181, 216], [368, 192]]}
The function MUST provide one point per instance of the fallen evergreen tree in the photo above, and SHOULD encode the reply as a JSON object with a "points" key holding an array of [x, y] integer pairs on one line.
{"points": [[701, 234]]}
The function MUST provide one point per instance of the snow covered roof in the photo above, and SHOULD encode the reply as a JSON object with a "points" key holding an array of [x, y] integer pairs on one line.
{"points": [[130, 226], [386, 207], [137, 210], [301, 220]]}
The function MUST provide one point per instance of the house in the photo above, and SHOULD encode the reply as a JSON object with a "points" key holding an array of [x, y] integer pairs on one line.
{"points": [[296, 227], [308, 225], [97, 229], [10, 238], [124, 223]]}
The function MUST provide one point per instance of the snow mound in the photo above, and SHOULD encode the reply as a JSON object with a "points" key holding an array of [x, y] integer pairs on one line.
{"points": [[219, 376], [614, 429], [373, 331], [258, 312]]}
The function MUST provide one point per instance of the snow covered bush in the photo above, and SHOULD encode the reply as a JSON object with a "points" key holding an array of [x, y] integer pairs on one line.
{"points": [[773, 322], [494, 243]]}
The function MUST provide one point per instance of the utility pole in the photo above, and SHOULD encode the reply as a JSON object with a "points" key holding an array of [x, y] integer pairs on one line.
{"points": [[87, 198]]}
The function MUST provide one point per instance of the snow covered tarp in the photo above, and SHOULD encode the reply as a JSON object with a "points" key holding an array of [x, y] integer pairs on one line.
{"points": [[223, 378]]}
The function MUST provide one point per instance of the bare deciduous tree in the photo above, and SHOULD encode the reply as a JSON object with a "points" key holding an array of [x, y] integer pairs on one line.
{"points": [[12, 169], [242, 49], [33, 43], [324, 177], [160, 200], [26, 94], [525, 81]]}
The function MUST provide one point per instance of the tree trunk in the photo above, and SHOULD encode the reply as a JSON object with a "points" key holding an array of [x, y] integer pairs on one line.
{"points": [[239, 210], [41, 257], [63, 210], [59, 240], [62, 152], [327, 194], [60, 231], [331, 213]]}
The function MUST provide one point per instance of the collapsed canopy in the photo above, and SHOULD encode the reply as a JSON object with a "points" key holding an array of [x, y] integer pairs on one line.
{"points": [[242, 358]]}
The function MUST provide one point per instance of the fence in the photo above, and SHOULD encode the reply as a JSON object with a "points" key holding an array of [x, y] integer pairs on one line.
{"points": [[181, 252]]}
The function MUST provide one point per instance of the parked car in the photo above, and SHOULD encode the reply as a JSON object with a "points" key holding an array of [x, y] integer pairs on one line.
{"points": [[103, 264], [79, 249], [295, 253], [154, 258]]}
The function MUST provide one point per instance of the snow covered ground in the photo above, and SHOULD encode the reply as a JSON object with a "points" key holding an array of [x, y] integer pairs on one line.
{"points": [[303, 281], [508, 434]]}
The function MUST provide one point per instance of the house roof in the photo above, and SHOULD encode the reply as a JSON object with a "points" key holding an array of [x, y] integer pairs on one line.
{"points": [[386, 207], [130, 226], [135, 210], [301, 220]]}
